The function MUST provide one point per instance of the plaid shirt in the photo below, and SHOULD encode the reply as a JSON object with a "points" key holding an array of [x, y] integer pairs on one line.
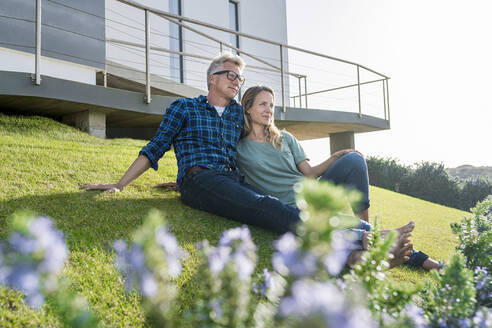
{"points": [[200, 136]]}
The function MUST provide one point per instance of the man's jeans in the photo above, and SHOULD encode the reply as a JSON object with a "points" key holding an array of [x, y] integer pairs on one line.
{"points": [[350, 170], [227, 195]]}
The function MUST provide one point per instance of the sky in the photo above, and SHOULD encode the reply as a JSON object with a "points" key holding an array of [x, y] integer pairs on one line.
{"points": [[438, 55]]}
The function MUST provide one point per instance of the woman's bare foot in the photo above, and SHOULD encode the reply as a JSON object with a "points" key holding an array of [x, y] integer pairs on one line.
{"points": [[400, 253], [354, 257]]}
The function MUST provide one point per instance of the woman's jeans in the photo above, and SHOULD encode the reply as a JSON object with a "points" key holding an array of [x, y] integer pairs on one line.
{"points": [[350, 170], [227, 195]]}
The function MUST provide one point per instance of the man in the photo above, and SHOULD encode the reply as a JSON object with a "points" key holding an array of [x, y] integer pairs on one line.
{"points": [[205, 132]]}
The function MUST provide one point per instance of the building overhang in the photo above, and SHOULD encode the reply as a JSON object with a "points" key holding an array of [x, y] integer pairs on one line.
{"points": [[128, 110]]}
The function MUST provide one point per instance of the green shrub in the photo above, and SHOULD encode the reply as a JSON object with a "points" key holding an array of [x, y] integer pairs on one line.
{"points": [[386, 173], [473, 190], [475, 236], [427, 181], [430, 181]]}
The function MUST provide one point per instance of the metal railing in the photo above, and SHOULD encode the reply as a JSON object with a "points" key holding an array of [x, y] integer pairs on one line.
{"points": [[181, 20]]}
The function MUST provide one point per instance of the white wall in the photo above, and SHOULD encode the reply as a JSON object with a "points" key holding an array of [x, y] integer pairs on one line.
{"points": [[127, 23], [266, 19], [19, 61]]}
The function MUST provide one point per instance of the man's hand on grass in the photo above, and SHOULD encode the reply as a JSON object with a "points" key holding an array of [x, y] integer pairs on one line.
{"points": [[107, 188], [173, 186]]}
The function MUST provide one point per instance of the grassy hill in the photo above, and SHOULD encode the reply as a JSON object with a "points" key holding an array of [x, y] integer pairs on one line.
{"points": [[43, 165]]}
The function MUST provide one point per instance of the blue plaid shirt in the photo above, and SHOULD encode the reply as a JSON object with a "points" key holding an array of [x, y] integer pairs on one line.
{"points": [[200, 136]]}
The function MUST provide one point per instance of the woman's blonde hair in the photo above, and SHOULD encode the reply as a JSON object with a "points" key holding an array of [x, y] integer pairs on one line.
{"points": [[272, 133]]}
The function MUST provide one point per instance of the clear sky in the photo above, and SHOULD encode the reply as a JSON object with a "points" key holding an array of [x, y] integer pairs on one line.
{"points": [[438, 54]]}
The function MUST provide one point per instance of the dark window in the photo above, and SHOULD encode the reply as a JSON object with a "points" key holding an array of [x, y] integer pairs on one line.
{"points": [[176, 43], [234, 22]]}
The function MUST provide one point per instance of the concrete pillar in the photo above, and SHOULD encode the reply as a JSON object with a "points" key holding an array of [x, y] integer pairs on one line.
{"points": [[341, 140], [90, 121]]}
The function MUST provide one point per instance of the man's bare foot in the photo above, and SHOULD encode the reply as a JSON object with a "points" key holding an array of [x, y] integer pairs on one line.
{"points": [[430, 264], [400, 253], [407, 228]]}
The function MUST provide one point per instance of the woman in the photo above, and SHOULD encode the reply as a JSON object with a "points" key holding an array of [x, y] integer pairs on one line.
{"points": [[274, 161]]}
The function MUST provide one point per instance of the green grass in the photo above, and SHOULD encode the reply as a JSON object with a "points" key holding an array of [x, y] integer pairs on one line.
{"points": [[43, 165]]}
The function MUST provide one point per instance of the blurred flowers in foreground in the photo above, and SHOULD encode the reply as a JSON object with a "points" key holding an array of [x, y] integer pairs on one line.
{"points": [[310, 285], [148, 264], [35, 252], [32, 260]]}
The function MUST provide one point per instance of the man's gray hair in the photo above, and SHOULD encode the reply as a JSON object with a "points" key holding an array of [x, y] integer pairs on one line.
{"points": [[220, 60]]}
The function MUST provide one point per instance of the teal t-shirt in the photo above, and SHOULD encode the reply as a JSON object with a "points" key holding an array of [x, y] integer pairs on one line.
{"points": [[273, 171]]}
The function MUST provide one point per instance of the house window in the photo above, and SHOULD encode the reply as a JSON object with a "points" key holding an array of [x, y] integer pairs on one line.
{"points": [[176, 43], [234, 25]]}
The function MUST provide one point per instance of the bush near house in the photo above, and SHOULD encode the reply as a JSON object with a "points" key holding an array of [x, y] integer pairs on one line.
{"points": [[428, 181]]}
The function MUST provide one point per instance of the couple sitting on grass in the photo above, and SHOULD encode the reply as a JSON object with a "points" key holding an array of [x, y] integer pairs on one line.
{"points": [[216, 141]]}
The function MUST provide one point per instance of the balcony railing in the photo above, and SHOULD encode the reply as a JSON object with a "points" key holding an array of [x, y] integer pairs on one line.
{"points": [[302, 96]]}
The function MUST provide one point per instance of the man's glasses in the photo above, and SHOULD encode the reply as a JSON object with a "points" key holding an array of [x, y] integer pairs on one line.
{"points": [[231, 76]]}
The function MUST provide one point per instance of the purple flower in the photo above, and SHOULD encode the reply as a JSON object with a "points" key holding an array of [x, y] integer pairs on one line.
{"points": [[238, 238], [483, 284], [290, 260], [148, 284], [132, 265], [51, 241], [3, 269], [25, 278], [216, 306], [480, 271], [30, 257], [483, 318], [266, 285], [341, 247], [237, 248], [218, 258], [416, 315], [35, 299], [464, 323], [324, 300], [23, 244], [173, 253], [244, 265], [137, 258]]}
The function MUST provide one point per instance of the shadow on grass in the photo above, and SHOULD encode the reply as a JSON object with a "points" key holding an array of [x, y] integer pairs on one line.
{"points": [[90, 220]]}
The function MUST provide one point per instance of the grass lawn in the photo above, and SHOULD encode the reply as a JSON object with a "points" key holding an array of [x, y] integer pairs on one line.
{"points": [[45, 162]]}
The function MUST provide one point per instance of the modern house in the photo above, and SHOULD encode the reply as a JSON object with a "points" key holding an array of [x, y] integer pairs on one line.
{"points": [[112, 67]]}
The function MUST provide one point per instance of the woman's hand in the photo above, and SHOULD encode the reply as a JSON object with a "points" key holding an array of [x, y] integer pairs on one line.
{"points": [[342, 152], [107, 188], [315, 171]]}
